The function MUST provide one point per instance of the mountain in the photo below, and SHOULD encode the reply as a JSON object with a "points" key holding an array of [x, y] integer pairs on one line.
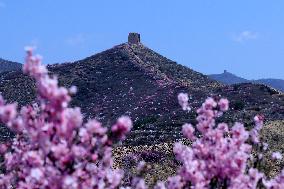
{"points": [[229, 79], [131, 79], [6, 65], [127, 79]]}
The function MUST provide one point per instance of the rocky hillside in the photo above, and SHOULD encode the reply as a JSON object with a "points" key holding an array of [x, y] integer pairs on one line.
{"points": [[6, 65], [229, 78], [131, 79]]}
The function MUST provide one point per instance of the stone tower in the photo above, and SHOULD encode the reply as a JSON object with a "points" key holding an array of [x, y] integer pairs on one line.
{"points": [[134, 38]]}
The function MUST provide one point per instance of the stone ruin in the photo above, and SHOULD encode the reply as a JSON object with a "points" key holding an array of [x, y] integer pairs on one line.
{"points": [[134, 38]]}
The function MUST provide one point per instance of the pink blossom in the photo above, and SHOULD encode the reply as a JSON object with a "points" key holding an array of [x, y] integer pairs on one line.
{"points": [[70, 182], [183, 101], [139, 183], [223, 127], [84, 135], [175, 182], [254, 133], [223, 104], [188, 131], [276, 156], [209, 103], [265, 146], [3, 148], [259, 119], [123, 126], [36, 173], [95, 127], [160, 185], [141, 166], [73, 90], [8, 112]]}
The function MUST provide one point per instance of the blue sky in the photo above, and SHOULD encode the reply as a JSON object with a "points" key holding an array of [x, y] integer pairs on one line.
{"points": [[245, 37]]}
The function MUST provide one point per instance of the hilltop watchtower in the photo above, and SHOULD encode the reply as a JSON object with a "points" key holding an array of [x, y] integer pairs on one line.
{"points": [[134, 38]]}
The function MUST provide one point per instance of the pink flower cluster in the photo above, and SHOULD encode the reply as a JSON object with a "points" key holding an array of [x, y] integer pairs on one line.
{"points": [[53, 148], [218, 156], [183, 101], [254, 133]]}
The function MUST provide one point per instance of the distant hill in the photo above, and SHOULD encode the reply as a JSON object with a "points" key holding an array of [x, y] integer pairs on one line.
{"points": [[275, 83], [6, 65], [229, 79], [131, 79]]}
